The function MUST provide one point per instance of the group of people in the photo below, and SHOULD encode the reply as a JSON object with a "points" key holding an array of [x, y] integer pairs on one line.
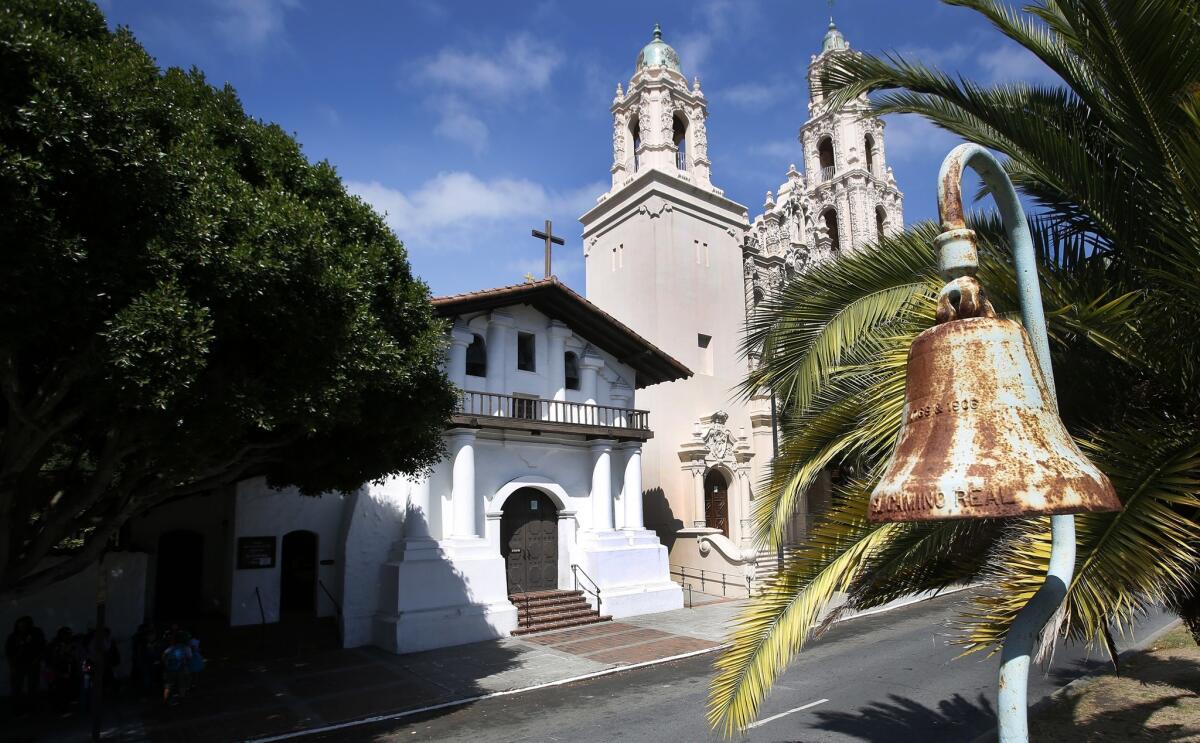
{"points": [[66, 666]]}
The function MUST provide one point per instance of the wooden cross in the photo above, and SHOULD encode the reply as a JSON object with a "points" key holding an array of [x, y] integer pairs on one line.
{"points": [[550, 239]]}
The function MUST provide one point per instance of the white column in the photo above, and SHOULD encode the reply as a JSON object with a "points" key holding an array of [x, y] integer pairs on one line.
{"points": [[416, 517], [601, 495], [698, 495], [456, 363], [462, 489], [589, 368], [499, 338], [631, 495], [556, 379]]}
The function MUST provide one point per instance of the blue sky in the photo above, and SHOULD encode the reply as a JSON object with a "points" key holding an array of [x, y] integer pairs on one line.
{"points": [[470, 123]]}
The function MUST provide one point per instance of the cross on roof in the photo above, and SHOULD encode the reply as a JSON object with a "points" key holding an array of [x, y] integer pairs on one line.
{"points": [[551, 239]]}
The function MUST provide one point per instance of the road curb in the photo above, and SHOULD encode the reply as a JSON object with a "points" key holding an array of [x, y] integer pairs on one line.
{"points": [[1080, 683], [334, 727]]}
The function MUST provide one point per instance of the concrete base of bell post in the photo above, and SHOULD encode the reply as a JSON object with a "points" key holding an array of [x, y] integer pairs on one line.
{"points": [[1077, 686]]}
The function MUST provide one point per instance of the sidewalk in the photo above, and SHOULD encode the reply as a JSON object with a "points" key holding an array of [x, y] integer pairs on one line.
{"points": [[315, 690], [240, 701]]}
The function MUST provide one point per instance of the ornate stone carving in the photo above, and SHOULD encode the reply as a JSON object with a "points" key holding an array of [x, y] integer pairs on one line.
{"points": [[718, 439]]}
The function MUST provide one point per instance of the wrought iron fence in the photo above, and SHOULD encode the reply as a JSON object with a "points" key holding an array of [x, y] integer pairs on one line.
{"points": [[711, 577]]}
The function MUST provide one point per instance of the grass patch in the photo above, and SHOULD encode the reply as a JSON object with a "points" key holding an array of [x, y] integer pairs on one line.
{"points": [[1156, 697]]}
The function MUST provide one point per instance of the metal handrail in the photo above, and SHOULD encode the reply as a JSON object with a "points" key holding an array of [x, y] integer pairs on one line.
{"points": [[524, 597], [262, 615], [826, 173], [494, 405], [336, 606], [575, 571], [704, 576]]}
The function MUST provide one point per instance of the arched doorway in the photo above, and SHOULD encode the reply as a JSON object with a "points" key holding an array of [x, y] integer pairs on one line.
{"points": [[529, 541], [716, 501], [179, 576], [298, 574]]}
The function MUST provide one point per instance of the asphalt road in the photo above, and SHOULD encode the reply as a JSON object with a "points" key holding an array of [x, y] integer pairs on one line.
{"points": [[887, 677]]}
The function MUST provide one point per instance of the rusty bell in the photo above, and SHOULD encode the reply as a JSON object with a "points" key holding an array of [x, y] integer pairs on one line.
{"points": [[981, 436]]}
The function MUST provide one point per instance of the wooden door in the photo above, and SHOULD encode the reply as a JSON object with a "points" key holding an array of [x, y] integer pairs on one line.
{"points": [[529, 542], [716, 502]]}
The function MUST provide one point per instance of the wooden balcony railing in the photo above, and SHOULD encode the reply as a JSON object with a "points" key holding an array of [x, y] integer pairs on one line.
{"points": [[532, 413]]}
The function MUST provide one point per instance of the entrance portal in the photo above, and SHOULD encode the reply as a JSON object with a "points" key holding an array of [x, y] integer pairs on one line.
{"points": [[298, 574], [716, 501], [179, 576], [529, 541]]}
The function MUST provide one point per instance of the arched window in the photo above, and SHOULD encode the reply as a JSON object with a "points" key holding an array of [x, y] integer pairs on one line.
{"points": [[880, 221], [635, 132], [679, 137], [869, 145], [825, 154], [571, 370], [831, 227], [477, 357]]}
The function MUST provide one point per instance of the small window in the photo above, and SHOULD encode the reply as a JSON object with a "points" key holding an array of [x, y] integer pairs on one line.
{"points": [[477, 357], [571, 370], [526, 352]]}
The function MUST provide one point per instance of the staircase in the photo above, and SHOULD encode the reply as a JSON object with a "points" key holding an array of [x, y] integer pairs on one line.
{"points": [[540, 611]]}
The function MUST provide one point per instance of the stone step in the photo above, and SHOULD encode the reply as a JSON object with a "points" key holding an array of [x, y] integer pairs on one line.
{"points": [[545, 598], [549, 616], [592, 618]]}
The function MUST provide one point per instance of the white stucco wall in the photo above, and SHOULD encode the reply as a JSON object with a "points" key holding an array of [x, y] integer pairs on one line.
{"points": [[260, 511]]}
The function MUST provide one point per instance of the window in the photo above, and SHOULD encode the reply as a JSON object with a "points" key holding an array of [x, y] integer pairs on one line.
{"points": [[526, 352], [869, 144], [635, 131], [880, 221], [831, 227], [679, 138], [477, 357], [571, 370], [704, 342], [825, 153]]}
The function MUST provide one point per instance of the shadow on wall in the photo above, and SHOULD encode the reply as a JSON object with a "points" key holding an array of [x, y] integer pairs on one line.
{"points": [[659, 517], [423, 598]]}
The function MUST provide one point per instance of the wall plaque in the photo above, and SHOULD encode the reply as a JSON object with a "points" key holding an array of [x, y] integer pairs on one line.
{"points": [[254, 553]]}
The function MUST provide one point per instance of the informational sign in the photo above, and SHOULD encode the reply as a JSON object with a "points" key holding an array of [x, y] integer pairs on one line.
{"points": [[254, 553]]}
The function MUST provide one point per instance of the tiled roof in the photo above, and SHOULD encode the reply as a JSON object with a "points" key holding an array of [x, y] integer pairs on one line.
{"points": [[555, 299]]}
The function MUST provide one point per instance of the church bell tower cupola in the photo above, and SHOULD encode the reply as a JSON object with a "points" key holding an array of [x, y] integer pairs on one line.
{"points": [[659, 122]]}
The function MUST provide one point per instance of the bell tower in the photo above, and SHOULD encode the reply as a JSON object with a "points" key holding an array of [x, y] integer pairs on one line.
{"points": [[853, 191], [662, 250]]}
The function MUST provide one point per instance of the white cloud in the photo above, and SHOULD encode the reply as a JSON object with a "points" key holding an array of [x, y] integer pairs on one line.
{"points": [[524, 64], [458, 124], [459, 210], [780, 149], [757, 95], [251, 23], [909, 137], [1011, 63]]}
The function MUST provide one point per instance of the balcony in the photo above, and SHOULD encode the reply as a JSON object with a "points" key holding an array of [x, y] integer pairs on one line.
{"points": [[537, 415], [827, 173]]}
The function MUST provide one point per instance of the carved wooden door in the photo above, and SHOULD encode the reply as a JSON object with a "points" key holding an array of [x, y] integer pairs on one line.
{"points": [[529, 542], [716, 502]]}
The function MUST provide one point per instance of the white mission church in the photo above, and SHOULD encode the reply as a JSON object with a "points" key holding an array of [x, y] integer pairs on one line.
{"points": [[599, 457]]}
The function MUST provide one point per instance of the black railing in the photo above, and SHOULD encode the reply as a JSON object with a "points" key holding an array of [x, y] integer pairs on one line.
{"points": [[826, 173], [495, 405], [576, 571], [710, 576], [336, 606]]}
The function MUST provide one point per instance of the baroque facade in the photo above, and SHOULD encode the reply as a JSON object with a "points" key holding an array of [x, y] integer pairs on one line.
{"points": [[671, 256]]}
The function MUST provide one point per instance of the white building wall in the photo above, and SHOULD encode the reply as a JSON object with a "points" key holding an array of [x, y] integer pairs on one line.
{"points": [[261, 511]]}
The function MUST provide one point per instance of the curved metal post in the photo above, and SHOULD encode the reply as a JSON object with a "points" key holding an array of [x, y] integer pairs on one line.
{"points": [[957, 257]]}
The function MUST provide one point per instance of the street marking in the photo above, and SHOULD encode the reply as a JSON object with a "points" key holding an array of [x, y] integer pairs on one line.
{"points": [[773, 718]]}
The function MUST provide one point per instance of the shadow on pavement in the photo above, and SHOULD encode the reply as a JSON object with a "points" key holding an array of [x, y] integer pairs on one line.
{"points": [[900, 719]]}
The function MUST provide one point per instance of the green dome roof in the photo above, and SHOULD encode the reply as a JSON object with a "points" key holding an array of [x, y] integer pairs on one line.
{"points": [[834, 39], [658, 53]]}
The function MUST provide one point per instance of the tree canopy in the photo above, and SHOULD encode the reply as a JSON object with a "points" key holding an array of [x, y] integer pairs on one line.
{"points": [[188, 301]]}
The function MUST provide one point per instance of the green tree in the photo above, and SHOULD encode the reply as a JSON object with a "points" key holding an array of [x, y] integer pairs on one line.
{"points": [[1112, 156], [187, 301]]}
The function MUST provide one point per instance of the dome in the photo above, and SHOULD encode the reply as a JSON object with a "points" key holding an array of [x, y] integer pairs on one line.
{"points": [[658, 53], [834, 39]]}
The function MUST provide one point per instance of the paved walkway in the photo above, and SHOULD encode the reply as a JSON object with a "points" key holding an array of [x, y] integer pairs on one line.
{"points": [[239, 701]]}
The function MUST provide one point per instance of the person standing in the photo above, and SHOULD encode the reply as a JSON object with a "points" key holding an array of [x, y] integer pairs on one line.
{"points": [[24, 649]]}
